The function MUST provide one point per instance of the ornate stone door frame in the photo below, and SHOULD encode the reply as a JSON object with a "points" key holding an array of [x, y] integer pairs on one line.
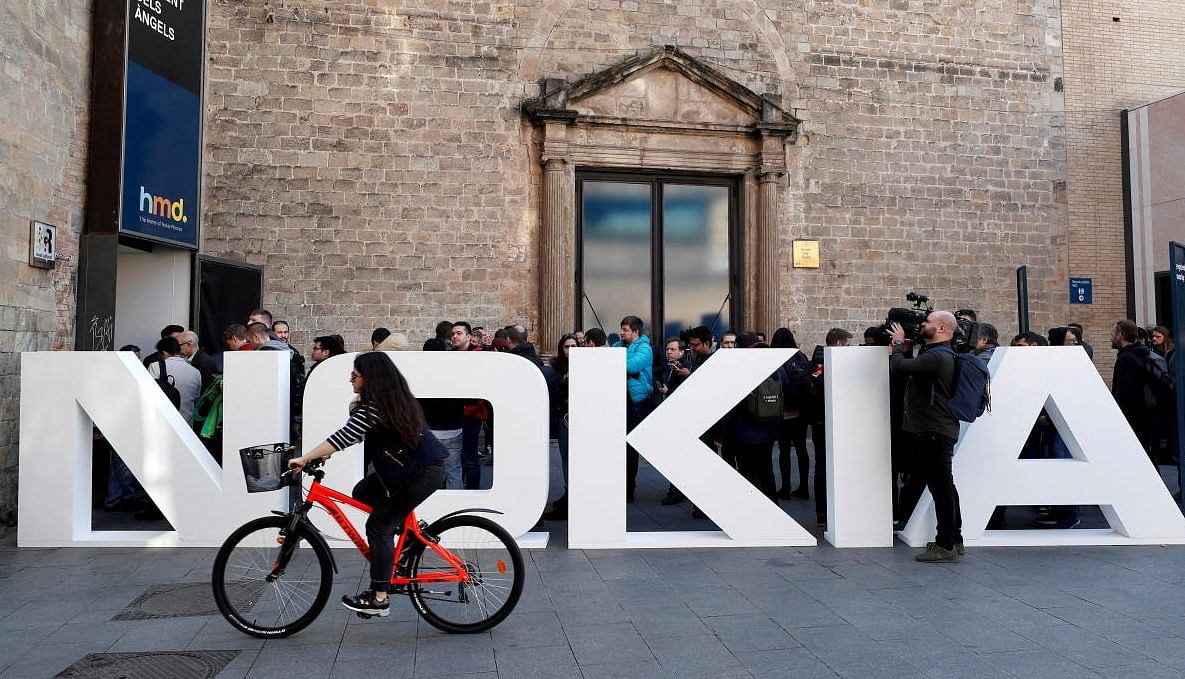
{"points": [[667, 111]]}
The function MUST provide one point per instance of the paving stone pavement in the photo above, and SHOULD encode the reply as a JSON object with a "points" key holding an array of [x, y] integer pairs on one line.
{"points": [[711, 613]]}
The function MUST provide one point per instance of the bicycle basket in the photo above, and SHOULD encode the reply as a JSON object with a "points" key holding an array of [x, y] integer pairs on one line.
{"points": [[263, 465]]}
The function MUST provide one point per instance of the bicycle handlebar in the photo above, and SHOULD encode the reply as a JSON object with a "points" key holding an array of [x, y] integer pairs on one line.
{"points": [[313, 469]]}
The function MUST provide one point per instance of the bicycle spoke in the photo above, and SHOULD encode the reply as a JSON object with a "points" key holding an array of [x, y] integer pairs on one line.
{"points": [[258, 598], [493, 579]]}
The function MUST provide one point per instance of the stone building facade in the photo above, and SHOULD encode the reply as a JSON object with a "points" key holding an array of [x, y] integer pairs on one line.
{"points": [[1117, 56], [397, 163], [44, 103], [376, 158]]}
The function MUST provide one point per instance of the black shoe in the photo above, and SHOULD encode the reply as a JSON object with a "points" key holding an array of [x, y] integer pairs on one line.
{"points": [[959, 548], [672, 500], [367, 605]]}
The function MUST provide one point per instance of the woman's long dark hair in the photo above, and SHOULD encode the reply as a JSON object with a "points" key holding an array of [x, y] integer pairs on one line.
{"points": [[559, 362], [783, 339], [384, 388]]}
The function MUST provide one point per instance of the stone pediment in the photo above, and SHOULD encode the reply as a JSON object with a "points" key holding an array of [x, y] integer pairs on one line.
{"points": [[665, 86]]}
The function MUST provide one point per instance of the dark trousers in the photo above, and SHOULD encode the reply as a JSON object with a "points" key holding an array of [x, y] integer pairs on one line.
{"points": [[793, 435], [755, 462], [913, 481], [634, 414], [390, 508], [819, 439], [470, 462], [936, 453]]}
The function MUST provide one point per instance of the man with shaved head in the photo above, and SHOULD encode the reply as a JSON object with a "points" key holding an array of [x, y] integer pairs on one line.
{"points": [[934, 429]]}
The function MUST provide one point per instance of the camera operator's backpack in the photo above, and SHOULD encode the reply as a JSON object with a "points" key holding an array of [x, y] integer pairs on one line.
{"points": [[765, 402], [970, 387]]}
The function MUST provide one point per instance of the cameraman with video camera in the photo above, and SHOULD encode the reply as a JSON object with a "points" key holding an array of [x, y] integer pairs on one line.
{"points": [[929, 420]]}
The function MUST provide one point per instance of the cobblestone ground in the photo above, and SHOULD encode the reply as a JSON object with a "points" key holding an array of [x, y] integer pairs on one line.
{"points": [[712, 613]]}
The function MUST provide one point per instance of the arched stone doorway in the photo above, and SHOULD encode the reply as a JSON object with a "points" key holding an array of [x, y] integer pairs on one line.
{"points": [[661, 112]]}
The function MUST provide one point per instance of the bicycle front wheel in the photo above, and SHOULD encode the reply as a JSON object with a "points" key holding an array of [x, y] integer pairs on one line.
{"points": [[495, 567], [259, 603]]}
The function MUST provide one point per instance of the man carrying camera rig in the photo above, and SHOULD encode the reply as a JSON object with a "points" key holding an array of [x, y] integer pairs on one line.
{"points": [[928, 418]]}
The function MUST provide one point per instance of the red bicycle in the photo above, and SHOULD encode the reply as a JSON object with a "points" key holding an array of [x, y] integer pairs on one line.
{"points": [[463, 573]]}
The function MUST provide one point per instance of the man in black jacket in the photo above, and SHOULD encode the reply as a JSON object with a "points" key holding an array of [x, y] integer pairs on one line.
{"points": [[1139, 375], [197, 357], [928, 418]]}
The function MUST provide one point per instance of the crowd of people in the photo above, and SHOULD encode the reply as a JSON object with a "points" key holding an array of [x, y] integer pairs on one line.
{"points": [[767, 432]]}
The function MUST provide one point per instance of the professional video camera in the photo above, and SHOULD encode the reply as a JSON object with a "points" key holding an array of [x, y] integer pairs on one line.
{"points": [[911, 319]]}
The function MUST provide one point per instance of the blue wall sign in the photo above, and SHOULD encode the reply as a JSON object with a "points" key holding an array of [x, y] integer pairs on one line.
{"points": [[162, 140], [1081, 291]]}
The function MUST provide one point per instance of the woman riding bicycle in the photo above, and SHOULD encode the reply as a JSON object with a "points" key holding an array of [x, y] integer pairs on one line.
{"points": [[409, 465]]}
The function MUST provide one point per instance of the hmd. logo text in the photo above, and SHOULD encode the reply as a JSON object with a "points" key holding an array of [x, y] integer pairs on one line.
{"points": [[163, 207]]}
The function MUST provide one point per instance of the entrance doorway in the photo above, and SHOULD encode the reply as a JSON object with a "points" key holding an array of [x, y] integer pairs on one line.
{"points": [[662, 247]]}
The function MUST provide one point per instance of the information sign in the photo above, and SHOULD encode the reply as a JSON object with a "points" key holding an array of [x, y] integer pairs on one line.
{"points": [[1081, 291]]}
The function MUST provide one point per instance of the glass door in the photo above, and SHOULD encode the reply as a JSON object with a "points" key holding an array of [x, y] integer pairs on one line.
{"points": [[659, 247]]}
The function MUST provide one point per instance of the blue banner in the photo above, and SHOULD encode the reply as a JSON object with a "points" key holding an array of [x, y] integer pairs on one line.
{"points": [[161, 159], [162, 139]]}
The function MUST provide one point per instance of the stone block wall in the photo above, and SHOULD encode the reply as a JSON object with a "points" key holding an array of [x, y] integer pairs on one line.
{"points": [[44, 103], [1117, 56], [372, 154]]}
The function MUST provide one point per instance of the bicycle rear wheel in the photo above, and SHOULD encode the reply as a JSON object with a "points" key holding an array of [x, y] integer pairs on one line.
{"points": [[495, 567], [257, 603]]}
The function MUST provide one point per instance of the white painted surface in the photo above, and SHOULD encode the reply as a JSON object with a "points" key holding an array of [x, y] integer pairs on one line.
{"points": [[1109, 468], [152, 290], [63, 392], [513, 386], [669, 439], [859, 452]]}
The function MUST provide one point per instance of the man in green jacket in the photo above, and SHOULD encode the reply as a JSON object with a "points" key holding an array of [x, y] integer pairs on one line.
{"points": [[639, 361]]}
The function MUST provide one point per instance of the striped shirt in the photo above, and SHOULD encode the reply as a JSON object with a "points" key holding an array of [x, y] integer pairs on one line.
{"points": [[362, 420]]}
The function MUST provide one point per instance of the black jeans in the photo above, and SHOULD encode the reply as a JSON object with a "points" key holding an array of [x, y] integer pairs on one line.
{"points": [[634, 414], [935, 454], [755, 462], [390, 509], [470, 462], [819, 439], [793, 435]]}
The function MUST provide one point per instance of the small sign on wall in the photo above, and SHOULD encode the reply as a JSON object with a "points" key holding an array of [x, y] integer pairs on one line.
{"points": [[1081, 291], [806, 254], [43, 245]]}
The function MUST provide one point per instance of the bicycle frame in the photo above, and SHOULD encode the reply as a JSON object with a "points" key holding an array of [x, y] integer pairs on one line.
{"points": [[329, 498]]}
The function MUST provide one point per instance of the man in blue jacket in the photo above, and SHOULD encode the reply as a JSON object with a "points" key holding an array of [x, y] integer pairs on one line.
{"points": [[639, 362]]}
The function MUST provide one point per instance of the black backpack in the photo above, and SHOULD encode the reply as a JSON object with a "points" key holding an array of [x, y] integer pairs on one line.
{"points": [[798, 387], [1159, 389], [165, 382], [765, 402]]}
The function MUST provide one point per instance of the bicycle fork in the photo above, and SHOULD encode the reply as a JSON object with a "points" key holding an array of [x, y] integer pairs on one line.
{"points": [[289, 541]]}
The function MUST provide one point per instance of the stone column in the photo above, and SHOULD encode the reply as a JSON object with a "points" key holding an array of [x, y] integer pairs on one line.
{"points": [[555, 252], [766, 253]]}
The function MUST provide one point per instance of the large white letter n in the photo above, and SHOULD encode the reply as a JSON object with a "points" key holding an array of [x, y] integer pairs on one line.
{"points": [[669, 440]]}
